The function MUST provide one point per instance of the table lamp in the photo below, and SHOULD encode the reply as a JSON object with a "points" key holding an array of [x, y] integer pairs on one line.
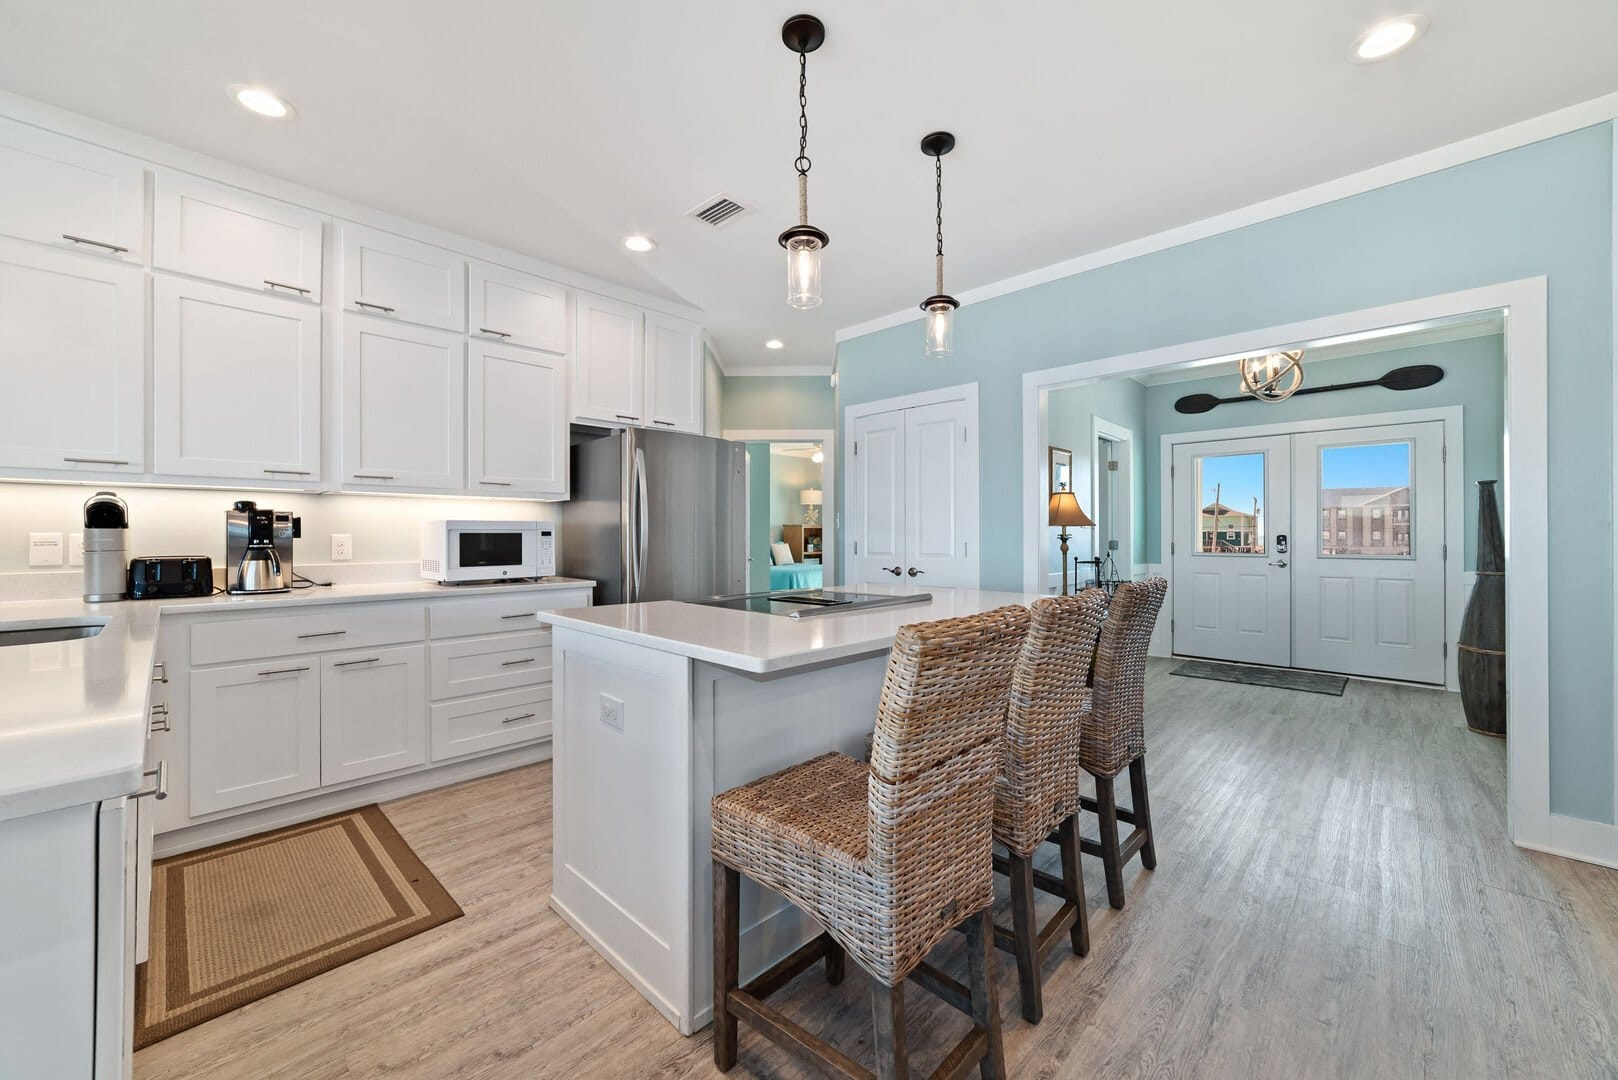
{"points": [[811, 498], [1065, 511]]}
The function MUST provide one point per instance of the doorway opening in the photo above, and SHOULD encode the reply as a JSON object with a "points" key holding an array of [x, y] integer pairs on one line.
{"points": [[786, 531]]}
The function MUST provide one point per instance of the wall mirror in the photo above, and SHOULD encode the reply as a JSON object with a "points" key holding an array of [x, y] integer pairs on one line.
{"points": [[1061, 469]]}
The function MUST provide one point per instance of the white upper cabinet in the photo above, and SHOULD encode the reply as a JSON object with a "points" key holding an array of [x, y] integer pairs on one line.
{"points": [[673, 374], [215, 350], [67, 193], [392, 277], [609, 363], [516, 308], [212, 231], [517, 419], [404, 416], [72, 362]]}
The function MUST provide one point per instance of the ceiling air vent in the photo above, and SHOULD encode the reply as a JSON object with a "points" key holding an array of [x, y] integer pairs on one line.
{"points": [[717, 211]]}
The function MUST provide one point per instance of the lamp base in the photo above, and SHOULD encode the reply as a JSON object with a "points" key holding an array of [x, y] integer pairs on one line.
{"points": [[1064, 537]]}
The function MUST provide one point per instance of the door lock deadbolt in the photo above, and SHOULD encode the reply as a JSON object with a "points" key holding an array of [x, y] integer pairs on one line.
{"points": [[1280, 543]]}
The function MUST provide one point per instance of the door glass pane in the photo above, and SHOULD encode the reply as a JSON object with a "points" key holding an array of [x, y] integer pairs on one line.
{"points": [[1230, 504], [1365, 500]]}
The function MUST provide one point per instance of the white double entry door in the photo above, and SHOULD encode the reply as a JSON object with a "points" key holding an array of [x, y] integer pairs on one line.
{"points": [[1322, 550]]}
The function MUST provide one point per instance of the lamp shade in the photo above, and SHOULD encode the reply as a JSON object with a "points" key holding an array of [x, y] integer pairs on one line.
{"points": [[1065, 510], [810, 497]]}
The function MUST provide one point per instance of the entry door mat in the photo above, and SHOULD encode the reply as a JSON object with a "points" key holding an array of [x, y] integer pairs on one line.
{"points": [[237, 922], [1310, 682]]}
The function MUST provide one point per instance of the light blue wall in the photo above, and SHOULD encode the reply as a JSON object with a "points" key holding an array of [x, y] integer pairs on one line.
{"points": [[1474, 379], [777, 403], [1071, 419], [788, 477], [1544, 209]]}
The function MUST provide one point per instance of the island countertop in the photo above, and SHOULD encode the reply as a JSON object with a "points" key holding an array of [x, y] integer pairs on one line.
{"points": [[764, 644]]}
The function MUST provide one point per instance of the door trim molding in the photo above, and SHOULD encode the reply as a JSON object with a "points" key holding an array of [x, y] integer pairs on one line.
{"points": [[1103, 428], [1528, 760], [830, 553], [967, 392], [1451, 416]]}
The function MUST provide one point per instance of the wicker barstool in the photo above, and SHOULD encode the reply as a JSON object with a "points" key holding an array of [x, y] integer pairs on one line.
{"points": [[1036, 796], [889, 857], [1113, 735]]}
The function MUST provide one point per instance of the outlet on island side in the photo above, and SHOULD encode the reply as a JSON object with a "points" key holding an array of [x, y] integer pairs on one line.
{"points": [[342, 547], [612, 712]]}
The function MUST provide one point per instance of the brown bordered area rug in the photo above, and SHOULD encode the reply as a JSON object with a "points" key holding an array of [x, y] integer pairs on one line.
{"points": [[238, 921]]}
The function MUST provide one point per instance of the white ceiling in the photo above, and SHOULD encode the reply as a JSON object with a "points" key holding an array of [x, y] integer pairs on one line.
{"points": [[556, 128]]}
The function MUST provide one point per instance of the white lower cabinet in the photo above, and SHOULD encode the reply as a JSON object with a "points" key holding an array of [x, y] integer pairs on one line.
{"points": [[373, 712], [255, 732]]}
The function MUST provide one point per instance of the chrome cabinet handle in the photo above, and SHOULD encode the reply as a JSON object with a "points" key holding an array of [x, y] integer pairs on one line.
{"points": [[288, 472], [495, 483], [621, 416], [283, 285], [160, 782], [160, 671], [94, 461], [1282, 564], [913, 572], [284, 670], [324, 633], [894, 570], [96, 244], [493, 333], [351, 663], [664, 423], [373, 307], [521, 615], [371, 476], [159, 719], [514, 719], [514, 663]]}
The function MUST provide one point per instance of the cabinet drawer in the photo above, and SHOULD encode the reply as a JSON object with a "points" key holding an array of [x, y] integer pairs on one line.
{"points": [[490, 722], [482, 665], [500, 614], [345, 626]]}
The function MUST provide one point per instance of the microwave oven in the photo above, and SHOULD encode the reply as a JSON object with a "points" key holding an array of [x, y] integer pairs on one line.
{"points": [[468, 552]]}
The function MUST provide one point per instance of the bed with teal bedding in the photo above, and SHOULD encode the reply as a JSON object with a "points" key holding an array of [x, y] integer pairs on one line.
{"points": [[795, 576]]}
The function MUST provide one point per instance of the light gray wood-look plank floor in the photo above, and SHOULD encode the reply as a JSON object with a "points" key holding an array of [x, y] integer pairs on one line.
{"points": [[1334, 897]]}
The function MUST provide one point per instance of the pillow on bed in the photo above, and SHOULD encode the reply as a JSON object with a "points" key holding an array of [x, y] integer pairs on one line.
{"points": [[781, 553]]}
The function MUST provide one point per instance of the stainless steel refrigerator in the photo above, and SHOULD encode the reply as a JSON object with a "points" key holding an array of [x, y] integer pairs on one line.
{"points": [[656, 515]]}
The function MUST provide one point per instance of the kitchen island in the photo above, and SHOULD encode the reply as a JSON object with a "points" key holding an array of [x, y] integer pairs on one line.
{"points": [[657, 707]]}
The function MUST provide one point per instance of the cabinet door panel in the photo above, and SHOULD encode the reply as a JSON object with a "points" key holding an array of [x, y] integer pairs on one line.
{"points": [[53, 188], [72, 362], [214, 349], [255, 733], [516, 308], [518, 421], [373, 712], [404, 422], [392, 277], [673, 374], [609, 362], [209, 230]]}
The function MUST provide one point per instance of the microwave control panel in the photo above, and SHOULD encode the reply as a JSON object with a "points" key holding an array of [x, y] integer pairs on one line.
{"points": [[547, 551]]}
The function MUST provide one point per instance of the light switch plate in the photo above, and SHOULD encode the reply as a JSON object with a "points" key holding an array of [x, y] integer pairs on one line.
{"points": [[612, 712], [45, 549], [75, 549], [342, 547]]}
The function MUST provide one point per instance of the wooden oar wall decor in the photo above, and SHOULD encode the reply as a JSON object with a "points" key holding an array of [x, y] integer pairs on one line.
{"points": [[1405, 378]]}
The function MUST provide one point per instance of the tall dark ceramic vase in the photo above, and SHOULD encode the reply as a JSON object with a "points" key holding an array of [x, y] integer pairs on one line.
{"points": [[1482, 652]]}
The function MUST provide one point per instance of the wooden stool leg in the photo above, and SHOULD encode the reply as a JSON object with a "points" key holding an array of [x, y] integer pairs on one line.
{"points": [[1111, 861], [1025, 935], [888, 1016], [726, 939], [1073, 883], [834, 961], [1143, 811], [985, 992]]}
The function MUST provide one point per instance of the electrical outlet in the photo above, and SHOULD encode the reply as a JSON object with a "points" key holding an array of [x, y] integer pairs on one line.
{"points": [[612, 712], [75, 549], [342, 547], [45, 549]]}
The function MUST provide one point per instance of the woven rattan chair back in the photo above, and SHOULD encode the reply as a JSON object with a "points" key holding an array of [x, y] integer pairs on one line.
{"points": [[1115, 732], [1039, 771]]}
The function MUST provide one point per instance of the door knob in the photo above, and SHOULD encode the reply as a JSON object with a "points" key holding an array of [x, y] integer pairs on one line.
{"points": [[1282, 564], [894, 570], [913, 572]]}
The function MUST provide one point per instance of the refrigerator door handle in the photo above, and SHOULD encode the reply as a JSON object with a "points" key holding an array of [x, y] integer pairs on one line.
{"points": [[644, 526]]}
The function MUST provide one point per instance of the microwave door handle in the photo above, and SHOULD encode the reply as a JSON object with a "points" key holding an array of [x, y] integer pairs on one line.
{"points": [[644, 525]]}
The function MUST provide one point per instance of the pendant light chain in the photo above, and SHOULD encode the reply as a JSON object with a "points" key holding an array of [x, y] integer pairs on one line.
{"points": [[938, 176], [803, 163]]}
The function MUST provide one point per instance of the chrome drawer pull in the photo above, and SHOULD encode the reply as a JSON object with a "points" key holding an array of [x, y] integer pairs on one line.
{"points": [[284, 285], [514, 663], [94, 461], [284, 670], [160, 785], [160, 671], [159, 720], [351, 663], [96, 243], [495, 483], [514, 719], [371, 476], [288, 472], [521, 615], [373, 307], [665, 423], [494, 333], [621, 416], [324, 633]]}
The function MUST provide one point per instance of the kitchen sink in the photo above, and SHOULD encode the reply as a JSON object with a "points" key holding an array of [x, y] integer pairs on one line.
{"points": [[60, 630]]}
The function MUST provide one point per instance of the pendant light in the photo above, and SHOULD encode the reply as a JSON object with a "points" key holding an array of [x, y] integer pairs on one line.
{"points": [[1273, 376], [803, 34], [940, 307]]}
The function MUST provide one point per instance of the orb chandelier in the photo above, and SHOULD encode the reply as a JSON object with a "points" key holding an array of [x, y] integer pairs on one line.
{"points": [[1273, 376]]}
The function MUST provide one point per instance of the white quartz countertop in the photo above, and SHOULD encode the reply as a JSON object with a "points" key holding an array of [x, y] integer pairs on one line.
{"points": [[762, 644], [73, 714]]}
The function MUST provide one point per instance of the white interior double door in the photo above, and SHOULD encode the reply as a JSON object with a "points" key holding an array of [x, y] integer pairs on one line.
{"points": [[913, 494], [1322, 550]]}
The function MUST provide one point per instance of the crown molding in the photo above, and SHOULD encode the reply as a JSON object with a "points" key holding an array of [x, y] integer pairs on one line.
{"points": [[1537, 129]]}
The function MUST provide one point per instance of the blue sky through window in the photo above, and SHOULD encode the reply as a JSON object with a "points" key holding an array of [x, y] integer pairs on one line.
{"points": [[1239, 479], [1380, 465]]}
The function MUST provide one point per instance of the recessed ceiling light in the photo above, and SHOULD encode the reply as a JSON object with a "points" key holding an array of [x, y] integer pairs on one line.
{"points": [[1387, 37], [639, 243], [264, 102], [775, 343]]}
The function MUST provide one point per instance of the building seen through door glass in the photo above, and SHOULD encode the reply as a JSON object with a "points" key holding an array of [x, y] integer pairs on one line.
{"points": [[1230, 491], [1365, 500]]}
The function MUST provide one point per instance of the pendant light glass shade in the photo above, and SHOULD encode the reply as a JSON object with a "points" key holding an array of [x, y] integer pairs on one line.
{"points": [[940, 327], [803, 271]]}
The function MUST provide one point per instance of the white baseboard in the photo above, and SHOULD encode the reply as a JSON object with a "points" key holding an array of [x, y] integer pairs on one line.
{"points": [[1586, 841]]}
